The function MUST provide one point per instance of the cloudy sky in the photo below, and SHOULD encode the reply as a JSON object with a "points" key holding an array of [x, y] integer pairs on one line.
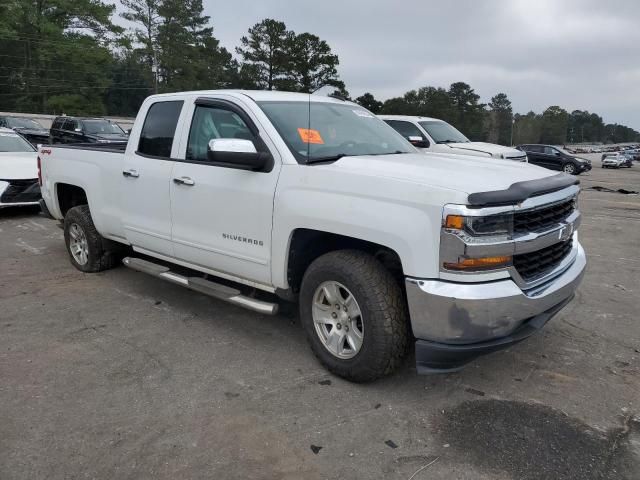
{"points": [[579, 54]]}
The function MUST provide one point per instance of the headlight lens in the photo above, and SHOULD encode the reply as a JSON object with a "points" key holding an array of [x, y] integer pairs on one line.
{"points": [[491, 225]]}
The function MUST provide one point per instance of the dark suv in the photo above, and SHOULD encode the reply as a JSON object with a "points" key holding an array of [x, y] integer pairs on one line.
{"points": [[28, 128], [86, 130], [555, 158]]}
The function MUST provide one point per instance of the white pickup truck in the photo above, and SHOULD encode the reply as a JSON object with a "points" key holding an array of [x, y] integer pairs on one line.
{"points": [[432, 135], [261, 197]]}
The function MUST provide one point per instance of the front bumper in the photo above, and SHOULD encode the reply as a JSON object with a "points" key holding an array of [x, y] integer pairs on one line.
{"points": [[469, 319], [17, 193]]}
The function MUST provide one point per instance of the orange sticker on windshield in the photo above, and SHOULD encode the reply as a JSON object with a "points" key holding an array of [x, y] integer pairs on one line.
{"points": [[310, 136]]}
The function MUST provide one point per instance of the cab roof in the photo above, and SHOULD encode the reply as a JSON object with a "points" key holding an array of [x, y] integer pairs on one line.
{"points": [[409, 118], [260, 96]]}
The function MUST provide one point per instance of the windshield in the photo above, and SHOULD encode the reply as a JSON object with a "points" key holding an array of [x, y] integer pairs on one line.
{"points": [[316, 131], [442, 132], [15, 122], [101, 127], [10, 142]]}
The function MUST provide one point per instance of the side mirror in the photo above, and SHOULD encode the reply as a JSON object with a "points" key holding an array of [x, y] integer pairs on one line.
{"points": [[418, 141], [237, 153]]}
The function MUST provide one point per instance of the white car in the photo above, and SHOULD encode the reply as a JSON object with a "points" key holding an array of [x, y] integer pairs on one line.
{"points": [[314, 199], [18, 171], [616, 160], [437, 136]]}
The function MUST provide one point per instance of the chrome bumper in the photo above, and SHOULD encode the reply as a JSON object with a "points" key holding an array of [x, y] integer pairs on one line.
{"points": [[467, 313]]}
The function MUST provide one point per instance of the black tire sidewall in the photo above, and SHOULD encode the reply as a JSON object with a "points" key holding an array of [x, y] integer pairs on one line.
{"points": [[575, 170], [371, 361], [81, 216]]}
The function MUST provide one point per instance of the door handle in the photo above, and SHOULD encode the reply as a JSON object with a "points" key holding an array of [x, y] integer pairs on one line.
{"points": [[184, 181], [131, 173]]}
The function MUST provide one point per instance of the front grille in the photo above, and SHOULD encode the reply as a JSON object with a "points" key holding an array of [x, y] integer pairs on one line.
{"points": [[542, 218], [21, 191], [536, 264]]}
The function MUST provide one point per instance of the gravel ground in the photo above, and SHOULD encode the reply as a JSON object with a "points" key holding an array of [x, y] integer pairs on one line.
{"points": [[119, 375]]}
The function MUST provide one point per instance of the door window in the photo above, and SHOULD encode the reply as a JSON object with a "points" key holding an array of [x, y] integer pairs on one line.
{"points": [[210, 123], [550, 151], [70, 125], [159, 129], [406, 129]]}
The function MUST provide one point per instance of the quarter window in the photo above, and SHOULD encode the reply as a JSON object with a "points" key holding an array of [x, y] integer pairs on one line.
{"points": [[159, 129], [210, 123]]}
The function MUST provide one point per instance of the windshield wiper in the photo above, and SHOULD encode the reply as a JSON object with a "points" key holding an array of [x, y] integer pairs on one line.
{"points": [[328, 158]]}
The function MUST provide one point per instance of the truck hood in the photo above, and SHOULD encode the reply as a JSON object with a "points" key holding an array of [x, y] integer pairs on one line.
{"points": [[474, 148], [18, 165], [32, 131], [446, 171]]}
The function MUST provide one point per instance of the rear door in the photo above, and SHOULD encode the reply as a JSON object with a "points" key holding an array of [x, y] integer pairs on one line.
{"points": [[222, 217], [534, 154], [553, 158], [146, 177]]}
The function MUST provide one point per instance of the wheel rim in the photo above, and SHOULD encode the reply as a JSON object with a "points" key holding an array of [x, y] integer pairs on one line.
{"points": [[78, 244], [569, 168], [338, 320]]}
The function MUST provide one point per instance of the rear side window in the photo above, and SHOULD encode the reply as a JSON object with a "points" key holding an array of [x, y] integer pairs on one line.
{"points": [[159, 129]]}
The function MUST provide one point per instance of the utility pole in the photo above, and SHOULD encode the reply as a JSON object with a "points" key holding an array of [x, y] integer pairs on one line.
{"points": [[513, 122], [154, 70]]}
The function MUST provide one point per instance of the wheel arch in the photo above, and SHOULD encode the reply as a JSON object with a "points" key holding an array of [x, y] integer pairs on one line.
{"points": [[69, 196], [306, 245]]}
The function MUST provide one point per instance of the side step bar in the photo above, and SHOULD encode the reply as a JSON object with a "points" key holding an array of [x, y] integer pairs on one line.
{"points": [[216, 290]]}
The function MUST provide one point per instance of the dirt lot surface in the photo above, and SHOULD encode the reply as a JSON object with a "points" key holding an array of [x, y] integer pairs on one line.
{"points": [[122, 376]]}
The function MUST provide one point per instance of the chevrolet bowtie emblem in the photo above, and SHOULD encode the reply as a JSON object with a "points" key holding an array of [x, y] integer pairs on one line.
{"points": [[565, 232]]}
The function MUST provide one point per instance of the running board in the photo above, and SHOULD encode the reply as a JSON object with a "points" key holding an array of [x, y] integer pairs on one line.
{"points": [[212, 289]]}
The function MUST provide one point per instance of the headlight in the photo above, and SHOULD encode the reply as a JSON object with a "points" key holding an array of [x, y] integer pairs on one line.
{"points": [[491, 225]]}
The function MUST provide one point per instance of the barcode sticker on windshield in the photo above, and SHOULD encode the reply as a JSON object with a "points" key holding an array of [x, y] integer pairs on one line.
{"points": [[310, 136], [363, 113]]}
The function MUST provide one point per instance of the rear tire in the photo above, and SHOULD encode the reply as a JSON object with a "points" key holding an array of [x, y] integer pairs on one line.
{"points": [[365, 286], [87, 249]]}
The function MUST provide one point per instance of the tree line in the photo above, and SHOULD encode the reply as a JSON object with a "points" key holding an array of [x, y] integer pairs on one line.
{"points": [[495, 122], [70, 56]]}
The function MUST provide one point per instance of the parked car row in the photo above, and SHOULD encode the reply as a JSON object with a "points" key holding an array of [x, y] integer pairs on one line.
{"points": [[66, 129], [28, 128]]}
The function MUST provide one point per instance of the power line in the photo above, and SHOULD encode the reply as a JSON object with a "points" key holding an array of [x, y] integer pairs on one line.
{"points": [[68, 91]]}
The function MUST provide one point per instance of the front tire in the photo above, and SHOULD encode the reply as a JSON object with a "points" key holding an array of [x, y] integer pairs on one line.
{"points": [[85, 245], [570, 168], [354, 315]]}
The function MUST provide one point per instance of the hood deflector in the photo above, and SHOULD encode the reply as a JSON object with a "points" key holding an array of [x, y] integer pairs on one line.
{"points": [[520, 191]]}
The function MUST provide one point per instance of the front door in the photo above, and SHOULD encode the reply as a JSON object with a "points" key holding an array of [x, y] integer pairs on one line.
{"points": [[221, 216], [146, 180]]}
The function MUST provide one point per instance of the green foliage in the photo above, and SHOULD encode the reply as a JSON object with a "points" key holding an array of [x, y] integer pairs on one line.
{"points": [[281, 59], [265, 52], [499, 117], [369, 102]]}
